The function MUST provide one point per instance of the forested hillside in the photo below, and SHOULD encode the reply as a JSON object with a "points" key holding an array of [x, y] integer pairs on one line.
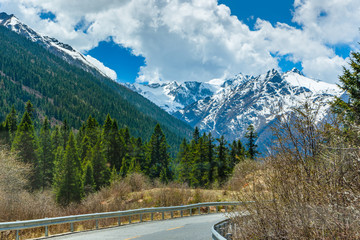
{"points": [[62, 91]]}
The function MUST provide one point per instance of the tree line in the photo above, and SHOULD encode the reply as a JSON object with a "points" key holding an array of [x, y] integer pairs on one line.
{"points": [[75, 163]]}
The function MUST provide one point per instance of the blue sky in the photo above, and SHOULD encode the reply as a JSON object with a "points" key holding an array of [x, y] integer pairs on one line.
{"points": [[127, 65], [186, 40]]}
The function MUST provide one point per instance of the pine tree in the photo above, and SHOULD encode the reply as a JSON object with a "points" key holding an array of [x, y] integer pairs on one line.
{"points": [[102, 171], [68, 182], [222, 160], [64, 133], [10, 126], [29, 108], [88, 178], [350, 82], [184, 163], [157, 156], [113, 144], [237, 153], [196, 135], [25, 145], [46, 155], [251, 136], [211, 158]]}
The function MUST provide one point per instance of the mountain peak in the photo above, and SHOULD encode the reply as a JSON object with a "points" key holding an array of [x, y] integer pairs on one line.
{"points": [[5, 16], [62, 50], [295, 70]]}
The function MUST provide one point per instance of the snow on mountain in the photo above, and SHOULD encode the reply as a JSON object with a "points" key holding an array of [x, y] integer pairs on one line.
{"points": [[258, 101], [227, 107], [62, 50], [173, 96]]}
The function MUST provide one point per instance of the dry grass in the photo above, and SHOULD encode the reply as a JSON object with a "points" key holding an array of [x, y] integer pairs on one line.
{"points": [[134, 191], [315, 186]]}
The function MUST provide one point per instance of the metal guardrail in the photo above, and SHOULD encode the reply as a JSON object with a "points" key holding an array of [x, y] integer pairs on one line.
{"points": [[220, 231], [46, 222]]}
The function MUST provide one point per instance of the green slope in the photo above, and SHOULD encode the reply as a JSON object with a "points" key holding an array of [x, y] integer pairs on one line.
{"points": [[62, 91]]}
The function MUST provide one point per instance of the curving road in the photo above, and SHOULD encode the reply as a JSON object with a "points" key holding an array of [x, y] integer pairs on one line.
{"points": [[195, 228]]}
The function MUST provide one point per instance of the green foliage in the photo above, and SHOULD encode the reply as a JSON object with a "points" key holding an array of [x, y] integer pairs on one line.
{"points": [[157, 156], [222, 160], [46, 156], [25, 145], [98, 160], [202, 163], [350, 82], [251, 135], [237, 153], [62, 91], [88, 178], [9, 127], [68, 183]]}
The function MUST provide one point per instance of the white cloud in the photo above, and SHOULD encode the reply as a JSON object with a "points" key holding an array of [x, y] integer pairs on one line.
{"points": [[99, 65], [198, 39]]}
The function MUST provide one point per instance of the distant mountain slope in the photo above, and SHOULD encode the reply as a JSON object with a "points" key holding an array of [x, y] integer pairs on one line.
{"points": [[63, 91], [61, 50], [173, 96], [237, 102]]}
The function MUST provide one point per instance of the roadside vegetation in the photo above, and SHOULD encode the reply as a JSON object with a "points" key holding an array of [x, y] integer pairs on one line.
{"points": [[309, 186]]}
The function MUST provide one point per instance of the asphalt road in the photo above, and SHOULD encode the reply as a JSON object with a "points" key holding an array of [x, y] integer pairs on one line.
{"points": [[195, 228]]}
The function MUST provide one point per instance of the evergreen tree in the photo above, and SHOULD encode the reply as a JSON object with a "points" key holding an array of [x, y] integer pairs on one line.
{"points": [[157, 156], [196, 135], [64, 133], [56, 140], [184, 163], [211, 158], [9, 127], [113, 144], [350, 82], [222, 160], [251, 136], [46, 155], [68, 182], [102, 171], [88, 178], [139, 154], [237, 153], [25, 145], [29, 108]]}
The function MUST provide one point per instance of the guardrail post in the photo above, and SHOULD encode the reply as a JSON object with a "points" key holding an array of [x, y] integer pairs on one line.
{"points": [[199, 211], [140, 217], [209, 210], [172, 214], [226, 208], [163, 215], [17, 235], [72, 227], [190, 211], [119, 221], [129, 219], [217, 209], [46, 231], [152, 216], [97, 224], [181, 213]]}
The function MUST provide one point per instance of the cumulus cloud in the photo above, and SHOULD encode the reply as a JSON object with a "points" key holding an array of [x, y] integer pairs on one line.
{"points": [[199, 39]]}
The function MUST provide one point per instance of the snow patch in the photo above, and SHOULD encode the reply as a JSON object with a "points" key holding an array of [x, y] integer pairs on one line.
{"points": [[99, 65]]}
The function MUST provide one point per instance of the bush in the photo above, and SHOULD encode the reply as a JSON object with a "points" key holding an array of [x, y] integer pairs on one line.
{"points": [[312, 187]]}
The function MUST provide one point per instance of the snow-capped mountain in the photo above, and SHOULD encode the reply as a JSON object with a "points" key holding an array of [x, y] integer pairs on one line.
{"points": [[230, 106], [173, 96], [61, 50]]}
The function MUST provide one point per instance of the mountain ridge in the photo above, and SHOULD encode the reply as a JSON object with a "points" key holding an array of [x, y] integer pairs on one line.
{"points": [[237, 102], [61, 91], [62, 50]]}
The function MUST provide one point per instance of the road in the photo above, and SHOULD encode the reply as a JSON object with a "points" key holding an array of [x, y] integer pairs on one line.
{"points": [[195, 228]]}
